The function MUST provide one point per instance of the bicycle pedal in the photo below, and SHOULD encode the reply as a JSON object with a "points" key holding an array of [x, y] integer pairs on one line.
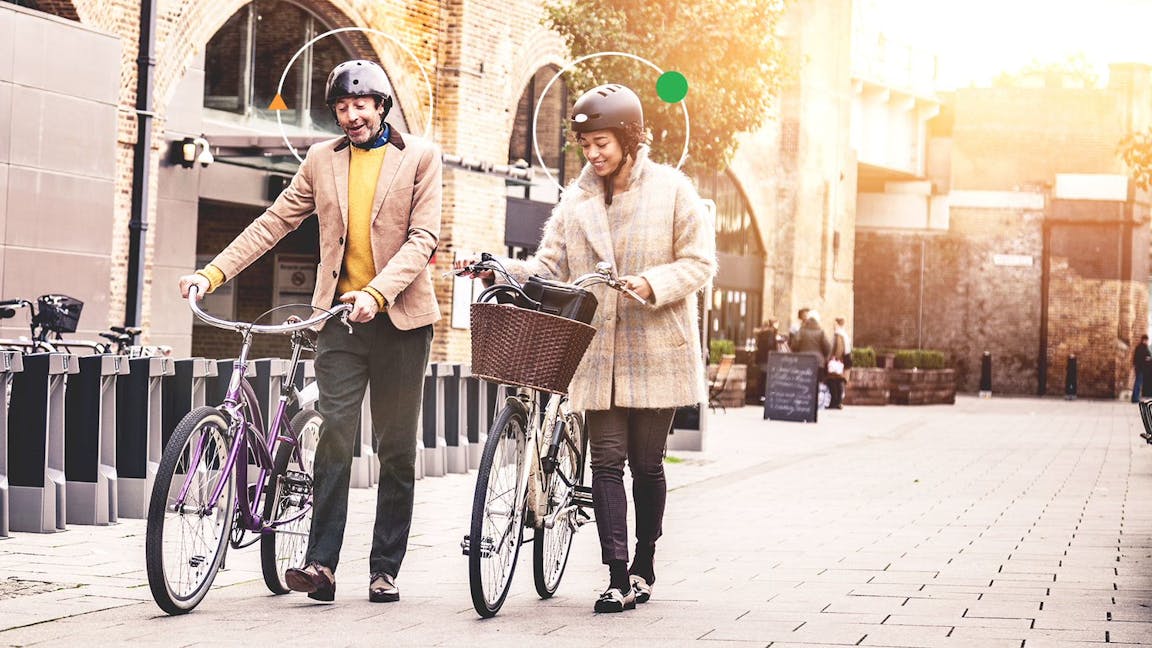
{"points": [[296, 482], [582, 496]]}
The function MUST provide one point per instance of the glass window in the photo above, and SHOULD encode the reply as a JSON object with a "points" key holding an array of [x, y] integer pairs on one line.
{"points": [[31, 4], [245, 58], [226, 63], [281, 29]]}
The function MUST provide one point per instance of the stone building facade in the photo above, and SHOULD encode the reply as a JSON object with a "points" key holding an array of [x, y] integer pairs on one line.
{"points": [[1028, 243]]}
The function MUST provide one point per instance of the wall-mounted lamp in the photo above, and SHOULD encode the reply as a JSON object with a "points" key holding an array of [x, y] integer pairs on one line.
{"points": [[190, 150]]}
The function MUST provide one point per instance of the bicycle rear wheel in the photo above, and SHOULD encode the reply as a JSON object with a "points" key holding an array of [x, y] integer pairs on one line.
{"points": [[185, 539], [289, 497], [498, 512], [553, 540]]}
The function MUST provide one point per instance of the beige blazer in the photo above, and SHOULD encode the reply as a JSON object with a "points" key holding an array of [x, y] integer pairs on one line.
{"points": [[650, 353], [405, 224]]}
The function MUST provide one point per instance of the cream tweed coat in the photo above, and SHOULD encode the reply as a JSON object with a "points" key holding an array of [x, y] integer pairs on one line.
{"points": [[651, 353]]}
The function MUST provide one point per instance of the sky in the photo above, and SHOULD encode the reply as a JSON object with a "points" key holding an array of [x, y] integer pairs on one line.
{"points": [[976, 39]]}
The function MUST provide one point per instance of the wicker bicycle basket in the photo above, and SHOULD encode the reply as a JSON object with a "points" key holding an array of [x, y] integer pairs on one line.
{"points": [[527, 348]]}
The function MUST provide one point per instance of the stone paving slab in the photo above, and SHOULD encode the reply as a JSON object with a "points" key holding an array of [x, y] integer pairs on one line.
{"points": [[1002, 522]]}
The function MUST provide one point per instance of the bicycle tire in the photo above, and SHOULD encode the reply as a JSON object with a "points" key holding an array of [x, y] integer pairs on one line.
{"points": [[490, 577], [281, 551], [552, 546], [164, 549]]}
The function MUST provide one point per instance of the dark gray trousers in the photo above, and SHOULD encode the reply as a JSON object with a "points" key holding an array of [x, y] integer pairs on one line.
{"points": [[638, 436], [393, 363]]}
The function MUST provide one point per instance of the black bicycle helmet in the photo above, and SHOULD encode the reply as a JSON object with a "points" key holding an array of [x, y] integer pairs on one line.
{"points": [[358, 79], [608, 106]]}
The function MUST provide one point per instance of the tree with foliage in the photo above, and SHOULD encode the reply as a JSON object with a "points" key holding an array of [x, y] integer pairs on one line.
{"points": [[727, 49], [1136, 151]]}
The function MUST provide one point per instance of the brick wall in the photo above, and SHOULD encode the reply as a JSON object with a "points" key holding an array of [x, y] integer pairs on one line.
{"points": [[962, 303]]}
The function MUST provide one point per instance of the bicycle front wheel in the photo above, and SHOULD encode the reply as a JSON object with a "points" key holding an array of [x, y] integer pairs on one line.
{"points": [[289, 501], [553, 540], [498, 512], [187, 530]]}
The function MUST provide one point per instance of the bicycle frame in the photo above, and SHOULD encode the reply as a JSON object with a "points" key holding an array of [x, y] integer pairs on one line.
{"points": [[246, 430]]}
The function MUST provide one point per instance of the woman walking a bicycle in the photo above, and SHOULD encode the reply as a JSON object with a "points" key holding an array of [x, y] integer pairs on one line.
{"points": [[644, 361]]}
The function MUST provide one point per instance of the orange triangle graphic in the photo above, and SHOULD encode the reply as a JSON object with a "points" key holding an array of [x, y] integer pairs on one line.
{"points": [[278, 104]]}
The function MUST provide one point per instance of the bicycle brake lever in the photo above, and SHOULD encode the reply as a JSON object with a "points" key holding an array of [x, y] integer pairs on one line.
{"points": [[632, 293]]}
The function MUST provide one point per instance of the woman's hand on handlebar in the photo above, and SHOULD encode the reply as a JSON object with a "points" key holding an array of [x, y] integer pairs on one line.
{"points": [[466, 267], [200, 281], [638, 285]]}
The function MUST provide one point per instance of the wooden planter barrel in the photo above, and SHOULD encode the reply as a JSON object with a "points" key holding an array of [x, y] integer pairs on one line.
{"points": [[922, 387], [867, 386]]}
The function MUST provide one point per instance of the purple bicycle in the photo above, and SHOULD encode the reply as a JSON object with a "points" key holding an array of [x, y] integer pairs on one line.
{"points": [[206, 496]]}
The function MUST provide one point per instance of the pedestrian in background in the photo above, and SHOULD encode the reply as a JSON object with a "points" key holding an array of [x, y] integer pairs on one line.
{"points": [[1141, 364], [839, 363], [794, 331]]}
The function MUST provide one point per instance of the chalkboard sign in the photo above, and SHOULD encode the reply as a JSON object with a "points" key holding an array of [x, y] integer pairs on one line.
{"points": [[792, 386]]}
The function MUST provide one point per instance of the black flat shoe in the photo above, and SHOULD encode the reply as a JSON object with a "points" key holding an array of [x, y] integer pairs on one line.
{"points": [[313, 581], [382, 588], [613, 600]]}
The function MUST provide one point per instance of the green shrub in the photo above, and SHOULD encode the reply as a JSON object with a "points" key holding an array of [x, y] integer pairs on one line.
{"points": [[918, 359], [717, 348], [864, 357]]}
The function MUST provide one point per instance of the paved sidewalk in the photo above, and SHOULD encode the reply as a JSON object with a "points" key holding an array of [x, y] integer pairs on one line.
{"points": [[1003, 522]]}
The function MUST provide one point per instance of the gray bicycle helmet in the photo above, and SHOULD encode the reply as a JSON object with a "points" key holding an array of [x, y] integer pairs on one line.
{"points": [[608, 106], [358, 79]]}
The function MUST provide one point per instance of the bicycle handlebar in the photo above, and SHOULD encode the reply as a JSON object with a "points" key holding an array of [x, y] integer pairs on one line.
{"points": [[604, 274], [339, 311]]}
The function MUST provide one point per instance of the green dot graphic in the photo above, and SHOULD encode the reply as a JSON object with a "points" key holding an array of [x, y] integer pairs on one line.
{"points": [[672, 86]]}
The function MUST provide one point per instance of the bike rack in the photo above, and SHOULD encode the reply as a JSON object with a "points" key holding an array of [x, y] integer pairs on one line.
{"points": [[139, 418], [305, 375], [455, 409], [37, 492], [90, 439], [184, 390], [10, 363], [432, 415], [478, 414]]}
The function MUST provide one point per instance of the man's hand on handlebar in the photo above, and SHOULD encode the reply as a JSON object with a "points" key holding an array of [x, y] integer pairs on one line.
{"points": [[200, 281], [364, 306]]}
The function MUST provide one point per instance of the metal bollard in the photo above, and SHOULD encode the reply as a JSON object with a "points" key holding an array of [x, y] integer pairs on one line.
{"points": [[432, 416], [986, 375], [184, 390], [90, 439], [10, 363], [139, 417], [37, 491], [1070, 378], [455, 407], [478, 416]]}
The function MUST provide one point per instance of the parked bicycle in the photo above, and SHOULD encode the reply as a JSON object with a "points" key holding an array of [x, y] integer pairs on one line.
{"points": [[50, 317], [532, 468], [203, 500]]}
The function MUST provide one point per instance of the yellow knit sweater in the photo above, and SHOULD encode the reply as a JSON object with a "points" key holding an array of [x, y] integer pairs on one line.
{"points": [[359, 268]]}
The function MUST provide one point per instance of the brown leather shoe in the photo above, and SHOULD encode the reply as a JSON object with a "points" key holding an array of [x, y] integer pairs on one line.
{"points": [[315, 580], [383, 588]]}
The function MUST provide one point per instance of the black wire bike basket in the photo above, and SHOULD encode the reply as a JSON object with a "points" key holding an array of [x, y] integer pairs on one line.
{"points": [[58, 313]]}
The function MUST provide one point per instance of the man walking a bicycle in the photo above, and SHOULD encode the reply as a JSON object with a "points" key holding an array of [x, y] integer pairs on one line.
{"points": [[377, 195], [644, 361]]}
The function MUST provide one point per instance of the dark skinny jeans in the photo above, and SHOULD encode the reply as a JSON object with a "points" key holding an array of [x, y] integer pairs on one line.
{"points": [[638, 436]]}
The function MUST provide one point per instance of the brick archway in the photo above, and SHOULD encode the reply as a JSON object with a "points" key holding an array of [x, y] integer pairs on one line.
{"points": [[541, 48], [186, 31], [61, 8]]}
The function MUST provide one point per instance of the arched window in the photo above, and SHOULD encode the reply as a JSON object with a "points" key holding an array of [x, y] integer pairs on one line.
{"points": [[737, 300], [245, 59]]}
